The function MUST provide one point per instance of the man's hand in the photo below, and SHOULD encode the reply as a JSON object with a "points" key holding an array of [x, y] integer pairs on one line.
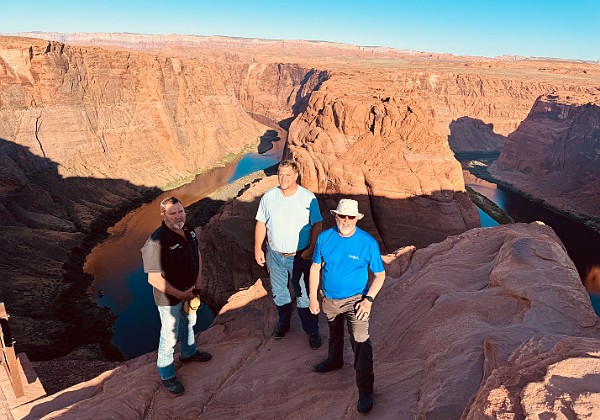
{"points": [[314, 306], [307, 254], [259, 256], [187, 294], [363, 309]]}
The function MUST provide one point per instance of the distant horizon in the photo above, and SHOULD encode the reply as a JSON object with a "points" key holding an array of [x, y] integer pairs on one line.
{"points": [[509, 28], [506, 56]]}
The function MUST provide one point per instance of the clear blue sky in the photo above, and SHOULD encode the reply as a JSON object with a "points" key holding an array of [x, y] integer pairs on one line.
{"points": [[550, 28]]}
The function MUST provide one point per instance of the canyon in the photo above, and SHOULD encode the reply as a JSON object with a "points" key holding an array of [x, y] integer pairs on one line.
{"points": [[554, 156], [91, 127]]}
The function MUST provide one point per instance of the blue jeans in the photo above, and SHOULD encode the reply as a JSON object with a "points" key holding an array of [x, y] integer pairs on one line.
{"points": [[174, 323], [281, 270]]}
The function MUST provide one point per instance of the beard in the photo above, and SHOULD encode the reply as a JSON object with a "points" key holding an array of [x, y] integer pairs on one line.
{"points": [[345, 230], [178, 225]]}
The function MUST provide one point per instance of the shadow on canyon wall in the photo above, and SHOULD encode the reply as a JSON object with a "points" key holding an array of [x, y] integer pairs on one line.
{"points": [[49, 224], [473, 135], [227, 240]]}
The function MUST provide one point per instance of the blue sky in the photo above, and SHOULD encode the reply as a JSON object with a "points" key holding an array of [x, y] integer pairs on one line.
{"points": [[561, 29]]}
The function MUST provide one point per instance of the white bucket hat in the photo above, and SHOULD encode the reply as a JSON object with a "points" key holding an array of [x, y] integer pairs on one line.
{"points": [[348, 207]]}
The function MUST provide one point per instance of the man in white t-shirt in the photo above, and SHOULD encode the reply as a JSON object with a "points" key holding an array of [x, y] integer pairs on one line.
{"points": [[289, 217]]}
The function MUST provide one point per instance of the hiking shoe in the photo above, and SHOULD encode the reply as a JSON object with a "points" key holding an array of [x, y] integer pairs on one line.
{"points": [[279, 331], [315, 341], [173, 386], [364, 404], [327, 365], [199, 356]]}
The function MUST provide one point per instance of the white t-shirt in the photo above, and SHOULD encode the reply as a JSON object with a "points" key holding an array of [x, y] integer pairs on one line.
{"points": [[288, 219]]}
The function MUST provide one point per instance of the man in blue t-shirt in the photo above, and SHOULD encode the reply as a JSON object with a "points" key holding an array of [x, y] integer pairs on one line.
{"points": [[289, 217], [345, 254]]}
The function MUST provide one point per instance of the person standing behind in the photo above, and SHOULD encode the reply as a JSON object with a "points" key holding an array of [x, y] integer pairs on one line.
{"points": [[174, 267], [345, 253], [290, 218]]}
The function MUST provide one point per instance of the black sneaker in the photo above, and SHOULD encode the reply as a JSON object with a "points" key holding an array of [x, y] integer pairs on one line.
{"points": [[364, 404], [279, 331], [327, 365], [199, 356], [173, 386], [315, 341]]}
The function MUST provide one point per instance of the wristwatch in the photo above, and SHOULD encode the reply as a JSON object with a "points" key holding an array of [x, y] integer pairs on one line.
{"points": [[369, 298]]}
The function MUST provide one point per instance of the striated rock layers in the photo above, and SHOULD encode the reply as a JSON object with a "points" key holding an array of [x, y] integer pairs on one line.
{"points": [[554, 156], [145, 118], [491, 323], [358, 140]]}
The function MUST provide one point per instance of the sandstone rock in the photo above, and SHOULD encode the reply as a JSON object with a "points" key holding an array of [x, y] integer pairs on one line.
{"points": [[354, 140], [554, 156], [542, 382], [467, 316], [473, 135], [146, 118]]}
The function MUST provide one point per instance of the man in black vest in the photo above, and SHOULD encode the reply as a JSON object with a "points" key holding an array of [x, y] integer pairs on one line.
{"points": [[174, 266]]}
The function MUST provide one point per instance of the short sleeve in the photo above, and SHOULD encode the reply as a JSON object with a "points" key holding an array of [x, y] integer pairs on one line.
{"points": [[315, 212], [151, 256], [375, 263], [317, 257], [261, 214]]}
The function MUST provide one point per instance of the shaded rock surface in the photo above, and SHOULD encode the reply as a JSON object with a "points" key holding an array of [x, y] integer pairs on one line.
{"points": [[472, 135], [554, 156], [465, 315]]}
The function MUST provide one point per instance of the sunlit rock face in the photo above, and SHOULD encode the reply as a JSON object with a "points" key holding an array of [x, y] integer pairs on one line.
{"points": [[146, 118], [554, 155], [355, 140]]}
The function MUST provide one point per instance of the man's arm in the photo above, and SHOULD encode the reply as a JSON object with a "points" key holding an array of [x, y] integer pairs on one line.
{"points": [[363, 308], [260, 232], [199, 278], [313, 287], [159, 282], [314, 233]]}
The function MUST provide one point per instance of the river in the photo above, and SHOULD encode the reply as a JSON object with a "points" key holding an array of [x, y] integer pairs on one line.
{"points": [[116, 264]]}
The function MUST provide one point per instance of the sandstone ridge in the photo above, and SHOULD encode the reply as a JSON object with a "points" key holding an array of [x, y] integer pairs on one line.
{"points": [[451, 329]]}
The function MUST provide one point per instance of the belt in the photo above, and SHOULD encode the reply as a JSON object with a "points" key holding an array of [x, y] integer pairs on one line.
{"points": [[287, 254], [290, 254]]}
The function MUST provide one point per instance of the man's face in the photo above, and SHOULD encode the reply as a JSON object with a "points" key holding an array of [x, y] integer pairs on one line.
{"points": [[287, 178], [174, 216], [346, 224]]}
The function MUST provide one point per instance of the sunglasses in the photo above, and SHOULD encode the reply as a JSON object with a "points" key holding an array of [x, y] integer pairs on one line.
{"points": [[345, 216]]}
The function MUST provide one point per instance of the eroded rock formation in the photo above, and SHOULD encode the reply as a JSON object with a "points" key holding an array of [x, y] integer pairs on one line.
{"points": [[470, 323], [387, 153], [554, 156]]}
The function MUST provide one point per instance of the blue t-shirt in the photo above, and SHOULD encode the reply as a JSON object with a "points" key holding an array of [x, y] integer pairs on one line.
{"points": [[288, 219], [347, 259]]}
